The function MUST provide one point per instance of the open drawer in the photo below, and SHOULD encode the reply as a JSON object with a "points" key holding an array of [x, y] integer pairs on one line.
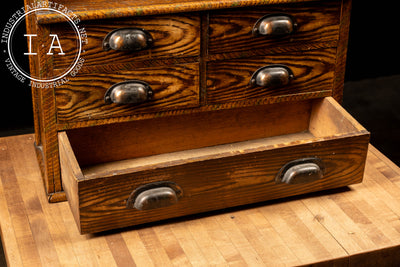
{"points": [[215, 160]]}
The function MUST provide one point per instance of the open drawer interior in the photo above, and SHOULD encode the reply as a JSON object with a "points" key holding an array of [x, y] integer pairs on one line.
{"points": [[211, 155], [111, 148], [269, 125]]}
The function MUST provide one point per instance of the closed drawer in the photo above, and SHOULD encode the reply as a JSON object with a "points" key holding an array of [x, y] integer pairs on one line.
{"points": [[83, 97], [230, 80], [313, 145], [171, 36], [316, 22]]}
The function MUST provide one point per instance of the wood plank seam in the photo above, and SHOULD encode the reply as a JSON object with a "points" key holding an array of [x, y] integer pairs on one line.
{"points": [[318, 219]]}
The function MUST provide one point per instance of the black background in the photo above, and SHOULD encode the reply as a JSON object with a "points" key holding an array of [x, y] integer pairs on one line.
{"points": [[373, 61]]}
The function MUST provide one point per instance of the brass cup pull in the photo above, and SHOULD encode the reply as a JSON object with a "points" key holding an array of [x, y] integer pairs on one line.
{"points": [[275, 25], [128, 39], [301, 171], [154, 196], [128, 92], [272, 76]]}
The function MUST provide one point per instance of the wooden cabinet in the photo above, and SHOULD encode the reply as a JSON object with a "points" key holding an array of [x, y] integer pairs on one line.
{"points": [[189, 106]]}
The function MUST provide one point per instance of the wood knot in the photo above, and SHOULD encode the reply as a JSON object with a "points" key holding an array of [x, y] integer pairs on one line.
{"points": [[319, 218]]}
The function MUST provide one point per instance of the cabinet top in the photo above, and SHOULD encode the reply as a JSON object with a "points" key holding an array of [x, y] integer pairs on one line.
{"points": [[100, 9]]}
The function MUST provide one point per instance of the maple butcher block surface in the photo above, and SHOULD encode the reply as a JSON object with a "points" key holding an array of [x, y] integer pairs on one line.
{"points": [[349, 226]]}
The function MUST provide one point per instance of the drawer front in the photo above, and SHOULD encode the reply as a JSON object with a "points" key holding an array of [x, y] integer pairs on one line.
{"points": [[329, 151], [232, 31], [217, 184], [172, 36], [83, 97], [230, 80]]}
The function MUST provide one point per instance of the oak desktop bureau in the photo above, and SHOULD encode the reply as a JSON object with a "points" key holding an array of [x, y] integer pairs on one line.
{"points": [[183, 107]]}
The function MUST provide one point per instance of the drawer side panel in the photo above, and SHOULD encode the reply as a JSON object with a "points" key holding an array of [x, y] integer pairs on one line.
{"points": [[70, 174]]}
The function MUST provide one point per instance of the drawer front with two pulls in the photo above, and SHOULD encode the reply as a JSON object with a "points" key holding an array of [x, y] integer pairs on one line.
{"points": [[295, 148]]}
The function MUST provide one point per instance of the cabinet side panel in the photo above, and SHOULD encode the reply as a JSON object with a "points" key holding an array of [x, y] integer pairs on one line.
{"points": [[341, 55]]}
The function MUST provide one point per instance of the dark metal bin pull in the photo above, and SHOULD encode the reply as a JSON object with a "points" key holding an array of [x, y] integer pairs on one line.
{"points": [[155, 198], [128, 92], [154, 195], [272, 76], [301, 171], [275, 25], [128, 39]]}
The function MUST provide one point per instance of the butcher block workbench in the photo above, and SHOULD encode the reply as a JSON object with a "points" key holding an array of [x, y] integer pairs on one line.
{"points": [[357, 225]]}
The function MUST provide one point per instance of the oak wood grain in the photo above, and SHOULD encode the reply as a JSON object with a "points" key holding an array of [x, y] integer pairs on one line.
{"points": [[173, 36], [44, 111], [47, 118], [313, 71], [82, 98], [231, 30], [341, 55], [218, 183]]}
